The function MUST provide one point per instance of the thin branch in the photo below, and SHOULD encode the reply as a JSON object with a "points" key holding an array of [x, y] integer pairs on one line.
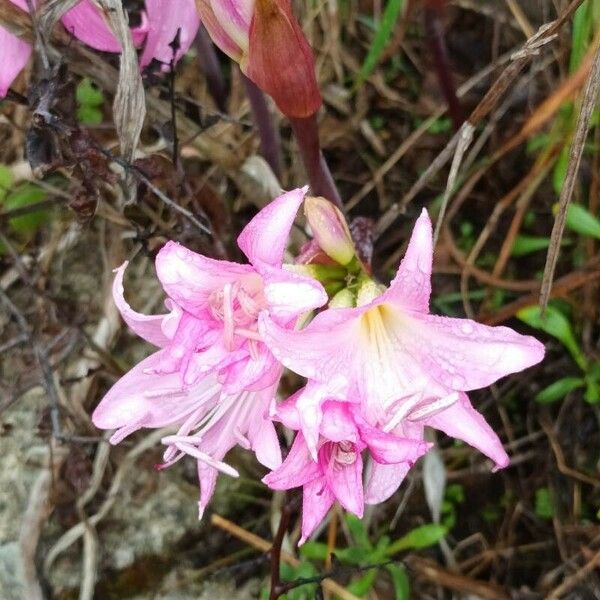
{"points": [[590, 95]]}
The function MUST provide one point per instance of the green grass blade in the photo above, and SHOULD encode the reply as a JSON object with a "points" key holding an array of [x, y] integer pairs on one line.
{"points": [[392, 11]]}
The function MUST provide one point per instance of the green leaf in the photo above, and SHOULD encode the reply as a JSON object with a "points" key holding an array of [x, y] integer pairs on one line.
{"points": [[314, 550], [88, 95], [6, 181], [356, 555], [399, 581], [544, 507], [582, 28], [420, 537], [23, 196], [592, 391], [90, 100], [559, 389], [555, 324], [560, 170], [526, 244], [89, 115], [358, 531], [392, 11], [363, 584], [582, 221]]}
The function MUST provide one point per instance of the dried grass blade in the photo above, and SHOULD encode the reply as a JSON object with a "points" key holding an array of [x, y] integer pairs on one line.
{"points": [[590, 95]]}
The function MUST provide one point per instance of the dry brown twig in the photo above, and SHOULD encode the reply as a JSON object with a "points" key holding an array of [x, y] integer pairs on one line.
{"points": [[264, 546], [589, 98], [519, 59]]}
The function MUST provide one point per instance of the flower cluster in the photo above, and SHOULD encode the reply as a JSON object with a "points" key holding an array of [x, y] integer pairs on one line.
{"points": [[263, 36], [378, 366]]}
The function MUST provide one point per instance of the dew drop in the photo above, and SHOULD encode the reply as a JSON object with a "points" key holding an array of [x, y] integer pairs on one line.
{"points": [[467, 328]]}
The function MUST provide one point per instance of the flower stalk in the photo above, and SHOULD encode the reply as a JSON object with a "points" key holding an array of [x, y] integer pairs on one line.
{"points": [[209, 61], [321, 181], [270, 140]]}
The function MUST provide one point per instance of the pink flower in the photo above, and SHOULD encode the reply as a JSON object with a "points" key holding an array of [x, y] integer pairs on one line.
{"points": [[86, 22], [165, 19], [406, 367], [265, 38], [337, 471], [14, 54], [160, 25], [213, 377]]}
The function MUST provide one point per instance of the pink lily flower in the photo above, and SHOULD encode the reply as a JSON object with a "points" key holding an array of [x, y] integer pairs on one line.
{"points": [[84, 21], [213, 377], [14, 54], [337, 472], [165, 19], [406, 367]]}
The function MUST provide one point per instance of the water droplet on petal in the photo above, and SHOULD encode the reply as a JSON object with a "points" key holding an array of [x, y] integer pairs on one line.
{"points": [[466, 328]]}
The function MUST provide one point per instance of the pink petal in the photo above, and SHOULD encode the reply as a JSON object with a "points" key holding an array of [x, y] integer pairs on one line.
{"points": [[383, 481], [290, 294], [14, 54], [388, 449], [464, 355], [463, 422], [345, 481], [148, 327], [142, 398], [216, 31], [165, 18], [190, 278], [329, 344], [309, 406], [317, 499], [235, 17], [252, 374], [207, 478], [86, 22], [297, 469], [411, 287], [264, 239], [287, 413], [262, 434], [337, 424]]}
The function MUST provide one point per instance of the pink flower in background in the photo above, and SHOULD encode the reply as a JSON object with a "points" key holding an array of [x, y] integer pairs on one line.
{"points": [[160, 24], [213, 377], [86, 22], [337, 472], [406, 367], [165, 18]]}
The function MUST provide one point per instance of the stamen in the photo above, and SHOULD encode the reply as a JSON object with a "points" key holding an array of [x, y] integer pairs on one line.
{"points": [[249, 334], [242, 440], [434, 407], [209, 460], [402, 412], [121, 433], [228, 318]]}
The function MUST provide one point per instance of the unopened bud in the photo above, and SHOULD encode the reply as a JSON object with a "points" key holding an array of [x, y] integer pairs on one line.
{"points": [[280, 61], [329, 229]]}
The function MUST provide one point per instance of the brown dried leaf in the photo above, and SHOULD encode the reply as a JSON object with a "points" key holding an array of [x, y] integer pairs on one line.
{"points": [[129, 107]]}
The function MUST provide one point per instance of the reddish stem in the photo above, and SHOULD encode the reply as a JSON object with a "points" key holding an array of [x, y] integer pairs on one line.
{"points": [[320, 178], [270, 140], [435, 34], [209, 60]]}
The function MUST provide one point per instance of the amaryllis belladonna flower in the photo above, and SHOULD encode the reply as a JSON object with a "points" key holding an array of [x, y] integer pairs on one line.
{"points": [[163, 22], [336, 473], [213, 379], [405, 367]]}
